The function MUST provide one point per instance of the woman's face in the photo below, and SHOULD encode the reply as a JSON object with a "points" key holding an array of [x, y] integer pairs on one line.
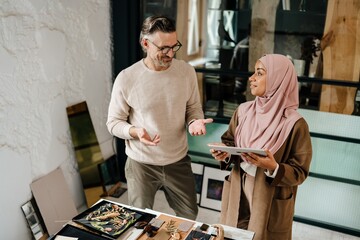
{"points": [[258, 80]]}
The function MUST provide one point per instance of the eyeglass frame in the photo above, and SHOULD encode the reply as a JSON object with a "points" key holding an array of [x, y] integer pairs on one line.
{"points": [[166, 49]]}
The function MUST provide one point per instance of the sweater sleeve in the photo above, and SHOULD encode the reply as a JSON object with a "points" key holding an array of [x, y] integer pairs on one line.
{"points": [[118, 112], [193, 106]]}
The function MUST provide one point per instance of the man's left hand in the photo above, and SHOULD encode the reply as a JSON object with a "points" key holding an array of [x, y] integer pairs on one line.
{"points": [[197, 127]]}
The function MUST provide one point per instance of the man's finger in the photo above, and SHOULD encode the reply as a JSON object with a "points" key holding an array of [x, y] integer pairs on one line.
{"points": [[147, 142], [208, 120]]}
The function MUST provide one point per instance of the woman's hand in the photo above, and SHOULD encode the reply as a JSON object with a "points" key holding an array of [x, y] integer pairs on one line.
{"points": [[219, 155], [266, 162]]}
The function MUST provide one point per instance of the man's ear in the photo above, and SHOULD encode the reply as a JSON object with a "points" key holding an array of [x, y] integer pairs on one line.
{"points": [[144, 43]]}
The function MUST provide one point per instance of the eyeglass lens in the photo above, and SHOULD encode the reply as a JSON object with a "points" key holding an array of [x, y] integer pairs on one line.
{"points": [[175, 48], [165, 50]]}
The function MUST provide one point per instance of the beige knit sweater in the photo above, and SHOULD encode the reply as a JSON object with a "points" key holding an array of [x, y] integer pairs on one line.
{"points": [[162, 102]]}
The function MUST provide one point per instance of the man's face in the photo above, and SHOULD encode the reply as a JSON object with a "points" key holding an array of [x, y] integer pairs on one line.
{"points": [[160, 49]]}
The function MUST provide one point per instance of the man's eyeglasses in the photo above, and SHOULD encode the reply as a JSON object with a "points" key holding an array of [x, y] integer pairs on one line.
{"points": [[166, 49]]}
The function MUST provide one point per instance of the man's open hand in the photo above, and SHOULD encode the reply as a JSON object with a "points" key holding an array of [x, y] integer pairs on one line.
{"points": [[197, 127]]}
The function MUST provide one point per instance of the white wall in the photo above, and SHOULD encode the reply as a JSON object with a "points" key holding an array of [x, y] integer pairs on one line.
{"points": [[53, 54]]}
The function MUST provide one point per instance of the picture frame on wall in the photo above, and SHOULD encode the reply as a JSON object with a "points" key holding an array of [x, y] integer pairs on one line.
{"points": [[212, 186], [198, 170]]}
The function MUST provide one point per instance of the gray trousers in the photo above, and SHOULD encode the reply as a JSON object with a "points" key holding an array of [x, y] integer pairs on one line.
{"points": [[176, 180]]}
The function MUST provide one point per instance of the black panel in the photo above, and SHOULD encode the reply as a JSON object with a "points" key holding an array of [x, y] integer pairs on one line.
{"points": [[126, 21], [121, 157], [126, 29]]}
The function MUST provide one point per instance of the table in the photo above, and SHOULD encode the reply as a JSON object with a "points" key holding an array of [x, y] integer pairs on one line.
{"points": [[183, 226]]}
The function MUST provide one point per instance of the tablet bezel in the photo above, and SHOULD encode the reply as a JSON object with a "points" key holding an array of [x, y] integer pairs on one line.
{"points": [[237, 150]]}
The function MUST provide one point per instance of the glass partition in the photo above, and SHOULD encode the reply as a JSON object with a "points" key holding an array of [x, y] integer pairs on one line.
{"points": [[322, 50]]}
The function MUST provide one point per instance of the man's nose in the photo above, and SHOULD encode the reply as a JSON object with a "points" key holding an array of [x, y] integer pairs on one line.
{"points": [[170, 53]]}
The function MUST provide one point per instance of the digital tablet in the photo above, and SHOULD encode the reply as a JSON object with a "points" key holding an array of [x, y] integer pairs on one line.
{"points": [[236, 150]]}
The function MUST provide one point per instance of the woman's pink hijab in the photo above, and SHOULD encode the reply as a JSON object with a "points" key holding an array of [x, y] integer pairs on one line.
{"points": [[267, 121]]}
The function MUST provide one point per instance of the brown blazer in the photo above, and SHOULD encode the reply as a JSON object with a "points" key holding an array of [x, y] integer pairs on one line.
{"points": [[273, 198]]}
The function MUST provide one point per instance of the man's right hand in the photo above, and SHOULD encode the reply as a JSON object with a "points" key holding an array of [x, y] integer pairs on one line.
{"points": [[144, 137]]}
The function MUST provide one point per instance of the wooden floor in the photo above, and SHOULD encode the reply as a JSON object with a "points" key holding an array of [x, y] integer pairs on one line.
{"points": [[93, 195]]}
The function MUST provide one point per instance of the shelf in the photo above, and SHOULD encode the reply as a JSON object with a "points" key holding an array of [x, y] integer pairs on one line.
{"points": [[289, 22], [299, 23]]}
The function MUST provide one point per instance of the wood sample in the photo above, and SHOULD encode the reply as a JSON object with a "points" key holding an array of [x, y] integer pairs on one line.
{"points": [[341, 55]]}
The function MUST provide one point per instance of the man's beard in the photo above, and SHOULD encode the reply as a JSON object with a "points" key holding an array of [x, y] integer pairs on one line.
{"points": [[163, 63]]}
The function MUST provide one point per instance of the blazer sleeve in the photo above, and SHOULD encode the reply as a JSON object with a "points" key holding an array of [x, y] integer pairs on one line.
{"points": [[294, 157], [228, 139]]}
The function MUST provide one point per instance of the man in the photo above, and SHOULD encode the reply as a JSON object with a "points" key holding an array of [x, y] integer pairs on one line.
{"points": [[151, 104]]}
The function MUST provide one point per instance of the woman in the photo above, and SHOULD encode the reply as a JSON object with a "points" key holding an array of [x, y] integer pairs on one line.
{"points": [[259, 194]]}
